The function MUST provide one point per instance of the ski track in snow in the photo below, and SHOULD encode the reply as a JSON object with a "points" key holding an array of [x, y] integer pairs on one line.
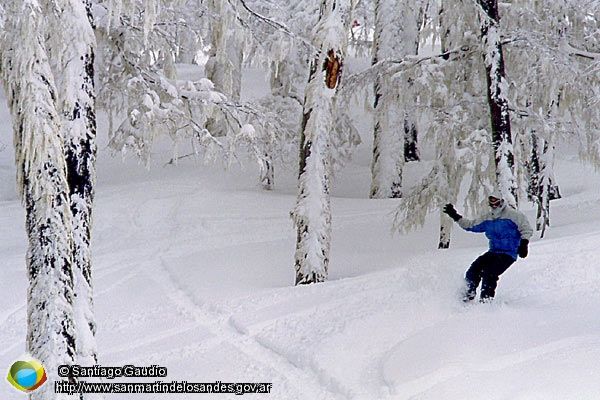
{"points": [[454, 369], [219, 323]]}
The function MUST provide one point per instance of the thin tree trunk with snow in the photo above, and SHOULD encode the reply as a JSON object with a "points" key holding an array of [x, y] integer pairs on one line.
{"points": [[224, 68], [451, 178], [445, 231], [284, 82], [267, 172], [395, 133], [411, 136], [387, 163], [75, 48], [312, 214], [541, 188], [500, 119], [411, 133], [42, 179]]}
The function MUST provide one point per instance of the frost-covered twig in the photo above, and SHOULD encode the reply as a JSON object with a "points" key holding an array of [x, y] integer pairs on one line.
{"points": [[276, 25], [394, 66]]}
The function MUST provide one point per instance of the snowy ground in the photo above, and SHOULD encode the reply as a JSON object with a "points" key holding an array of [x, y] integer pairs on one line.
{"points": [[194, 272]]}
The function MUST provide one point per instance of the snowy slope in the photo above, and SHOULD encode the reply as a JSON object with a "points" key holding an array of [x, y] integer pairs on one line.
{"points": [[194, 272]]}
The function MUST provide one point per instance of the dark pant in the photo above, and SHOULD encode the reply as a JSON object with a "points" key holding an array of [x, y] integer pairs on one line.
{"points": [[486, 269]]}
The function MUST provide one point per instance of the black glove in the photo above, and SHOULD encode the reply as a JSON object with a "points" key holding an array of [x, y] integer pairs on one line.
{"points": [[449, 209], [523, 250]]}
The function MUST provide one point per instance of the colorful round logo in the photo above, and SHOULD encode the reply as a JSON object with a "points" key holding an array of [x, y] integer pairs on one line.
{"points": [[26, 374]]}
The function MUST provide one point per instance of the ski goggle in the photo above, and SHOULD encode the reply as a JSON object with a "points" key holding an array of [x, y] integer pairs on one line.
{"points": [[494, 202]]}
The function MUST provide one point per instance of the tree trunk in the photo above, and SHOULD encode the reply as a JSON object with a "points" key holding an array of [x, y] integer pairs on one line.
{"points": [[267, 172], [445, 231], [225, 64], [450, 178], [284, 82], [387, 165], [500, 119], [76, 98], [395, 36], [312, 214], [411, 149], [541, 188], [42, 179]]}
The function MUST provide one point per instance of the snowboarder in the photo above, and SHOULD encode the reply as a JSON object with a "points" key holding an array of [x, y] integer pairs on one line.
{"points": [[508, 231]]}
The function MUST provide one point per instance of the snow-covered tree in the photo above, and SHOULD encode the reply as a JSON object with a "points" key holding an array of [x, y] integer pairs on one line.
{"points": [[312, 214], [541, 189], [140, 89], [280, 33], [555, 43], [224, 67], [71, 47], [228, 40], [396, 36], [138, 85], [452, 112], [497, 87], [283, 52], [44, 189]]}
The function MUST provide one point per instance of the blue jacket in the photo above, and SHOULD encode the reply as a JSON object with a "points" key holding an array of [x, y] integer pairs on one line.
{"points": [[504, 227]]}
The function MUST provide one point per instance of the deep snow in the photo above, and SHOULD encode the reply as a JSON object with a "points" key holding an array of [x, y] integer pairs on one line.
{"points": [[193, 269]]}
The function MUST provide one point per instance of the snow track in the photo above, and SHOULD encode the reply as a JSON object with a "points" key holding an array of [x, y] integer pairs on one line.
{"points": [[219, 323]]}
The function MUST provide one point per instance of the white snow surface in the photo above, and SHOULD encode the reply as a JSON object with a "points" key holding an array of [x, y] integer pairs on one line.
{"points": [[193, 271]]}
